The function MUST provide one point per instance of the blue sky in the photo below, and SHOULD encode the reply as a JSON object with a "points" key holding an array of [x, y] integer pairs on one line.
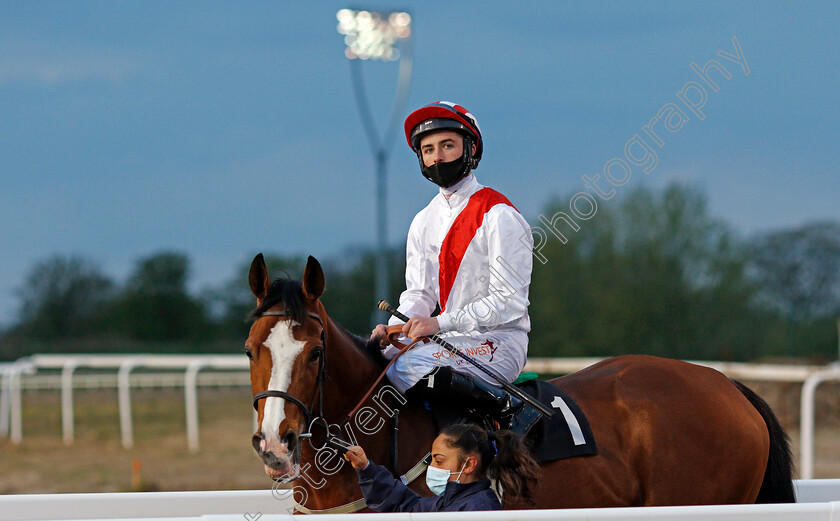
{"points": [[221, 129]]}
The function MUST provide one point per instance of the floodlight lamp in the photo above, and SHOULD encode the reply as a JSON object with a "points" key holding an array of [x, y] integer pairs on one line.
{"points": [[370, 35]]}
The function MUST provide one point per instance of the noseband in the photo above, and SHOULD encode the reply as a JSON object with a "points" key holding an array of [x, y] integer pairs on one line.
{"points": [[319, 382]]}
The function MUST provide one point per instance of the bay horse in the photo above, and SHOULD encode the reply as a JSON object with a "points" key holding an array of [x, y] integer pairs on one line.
{"points": [[668, 432]]}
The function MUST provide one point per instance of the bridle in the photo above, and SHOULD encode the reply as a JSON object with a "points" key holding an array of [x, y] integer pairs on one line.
{"points": [[319, 381], [332, 440]]}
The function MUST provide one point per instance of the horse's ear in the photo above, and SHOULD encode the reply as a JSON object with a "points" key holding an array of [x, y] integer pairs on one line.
{"points": [[313, 279], [258, 278]]}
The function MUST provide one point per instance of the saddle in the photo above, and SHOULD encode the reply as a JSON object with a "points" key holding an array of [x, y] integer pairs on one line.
{"points": [[566, 434]]}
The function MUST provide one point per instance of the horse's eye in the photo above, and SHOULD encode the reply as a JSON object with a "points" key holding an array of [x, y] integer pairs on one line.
{"points": [[314, 355], [249, 354]]}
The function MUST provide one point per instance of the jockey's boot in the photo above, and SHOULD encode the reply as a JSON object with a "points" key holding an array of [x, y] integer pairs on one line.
{"points": [[511, 412]]}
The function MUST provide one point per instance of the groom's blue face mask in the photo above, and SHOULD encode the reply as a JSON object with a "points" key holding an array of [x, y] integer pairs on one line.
{"points": [[437, 478]]}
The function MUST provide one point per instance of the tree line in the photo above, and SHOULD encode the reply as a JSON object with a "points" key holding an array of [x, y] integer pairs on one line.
{"points": [[652, 273]]}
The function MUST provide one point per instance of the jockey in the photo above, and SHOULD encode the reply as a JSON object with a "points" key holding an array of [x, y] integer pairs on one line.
{"points": [[468, 254]]}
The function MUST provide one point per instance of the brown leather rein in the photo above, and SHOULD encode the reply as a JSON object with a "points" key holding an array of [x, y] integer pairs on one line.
{"points": [[393, 334]]}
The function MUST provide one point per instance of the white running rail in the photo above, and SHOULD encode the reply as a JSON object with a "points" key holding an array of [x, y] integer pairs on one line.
{"points": [[819, 500], [124, 364], [10, 396]]}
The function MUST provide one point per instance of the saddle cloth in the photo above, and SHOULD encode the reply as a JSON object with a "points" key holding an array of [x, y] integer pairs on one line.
{"points": [[566, 434]]}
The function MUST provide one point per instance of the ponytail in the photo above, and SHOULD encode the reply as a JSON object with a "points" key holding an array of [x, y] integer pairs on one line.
{"points": [[502, 456], [513, 468]]}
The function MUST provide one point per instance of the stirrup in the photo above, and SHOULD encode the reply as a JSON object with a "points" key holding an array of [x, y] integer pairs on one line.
{"points": [[523, 419], [511, 412], [485, 397]]}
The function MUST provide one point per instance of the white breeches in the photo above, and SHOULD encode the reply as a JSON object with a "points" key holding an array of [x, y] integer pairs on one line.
{"points": [[503, 353]]}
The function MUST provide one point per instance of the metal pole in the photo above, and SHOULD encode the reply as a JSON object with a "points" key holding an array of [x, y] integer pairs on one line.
{"points": [[381, 286], [380, 147]]}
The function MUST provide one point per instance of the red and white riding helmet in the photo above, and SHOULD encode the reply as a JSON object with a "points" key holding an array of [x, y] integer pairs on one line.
{"points": [[443, 115]]}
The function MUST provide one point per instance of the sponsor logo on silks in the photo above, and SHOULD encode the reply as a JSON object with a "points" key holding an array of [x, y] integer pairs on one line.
{"points": [[483, 350]]}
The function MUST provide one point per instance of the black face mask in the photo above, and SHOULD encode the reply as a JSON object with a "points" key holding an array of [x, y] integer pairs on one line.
{"points": [[446, 174]]}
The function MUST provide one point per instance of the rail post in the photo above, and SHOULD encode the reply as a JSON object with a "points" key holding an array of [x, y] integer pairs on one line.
{"points": [[191, 403], [5, 391], [806, 418], [67, 400], [124, 393]]}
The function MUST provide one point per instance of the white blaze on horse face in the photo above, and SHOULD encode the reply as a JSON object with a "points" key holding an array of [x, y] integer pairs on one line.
{"points": [[284, 350]]}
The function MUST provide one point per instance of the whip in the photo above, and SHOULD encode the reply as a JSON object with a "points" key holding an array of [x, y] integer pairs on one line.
{"points": [[545, 411]]}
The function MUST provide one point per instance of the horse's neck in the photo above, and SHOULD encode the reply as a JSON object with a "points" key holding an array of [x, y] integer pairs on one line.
{"points": [[350, 373]]}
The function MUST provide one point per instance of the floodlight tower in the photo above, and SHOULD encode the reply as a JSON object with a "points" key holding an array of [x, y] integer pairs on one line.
{"points": [[370, 35]]}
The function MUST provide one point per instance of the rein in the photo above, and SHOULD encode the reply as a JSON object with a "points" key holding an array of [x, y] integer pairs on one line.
{"points": [[393, 331]]}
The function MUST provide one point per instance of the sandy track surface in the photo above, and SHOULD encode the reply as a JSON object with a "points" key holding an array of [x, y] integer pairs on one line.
{"points": [[96, 462]]}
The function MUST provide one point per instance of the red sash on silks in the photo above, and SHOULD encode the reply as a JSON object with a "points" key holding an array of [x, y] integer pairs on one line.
{"points": [[460, 235]]}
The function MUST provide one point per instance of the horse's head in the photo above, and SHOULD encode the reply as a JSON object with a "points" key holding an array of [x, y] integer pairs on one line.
{"points": [[285, 347]]}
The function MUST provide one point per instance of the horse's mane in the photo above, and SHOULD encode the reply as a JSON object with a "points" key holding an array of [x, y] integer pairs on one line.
{"points": [[289, 293], [367, 346]]}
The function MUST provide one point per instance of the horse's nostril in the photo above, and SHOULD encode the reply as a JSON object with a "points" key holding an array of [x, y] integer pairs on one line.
{"points": [[290, 439], [258, 441]]}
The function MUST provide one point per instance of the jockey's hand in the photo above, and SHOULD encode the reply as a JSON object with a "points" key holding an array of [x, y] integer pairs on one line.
{"points": [[380, 332], [380, 335], [357, 457], [421, 327]]}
